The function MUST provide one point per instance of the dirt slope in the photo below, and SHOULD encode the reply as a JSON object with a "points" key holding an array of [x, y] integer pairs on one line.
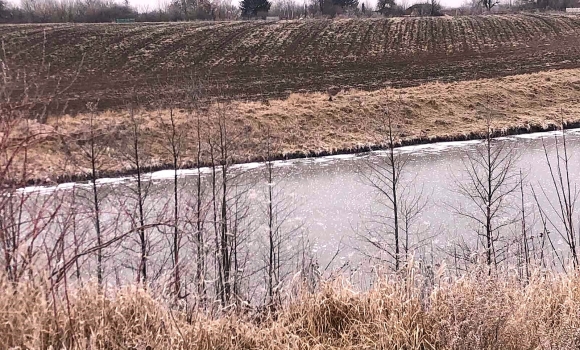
{"points": [[234, 60]]}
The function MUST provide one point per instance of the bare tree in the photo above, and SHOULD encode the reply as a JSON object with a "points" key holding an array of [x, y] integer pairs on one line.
{"points": [[141, 196], [273, 253], [412, 204], [91, 150], [29, 219], [489, 184], [489, 4], [200, 217], [241, 224], [229, 217], [175, 147], [214, 204], [25, 217], [94, 154], [198, 207], [525, 243], [134, 150], [225, 162], [389, 230], [545, 234], [567, 196], [229, 205], [280, 229], [91, 153]]}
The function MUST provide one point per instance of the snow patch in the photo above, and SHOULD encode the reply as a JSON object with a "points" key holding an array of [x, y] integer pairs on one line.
{"points": [[319, 161]]}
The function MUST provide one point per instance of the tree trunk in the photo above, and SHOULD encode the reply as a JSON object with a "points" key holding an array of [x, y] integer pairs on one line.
{"points": [[96, 207], [394, 183], [142, 238]]}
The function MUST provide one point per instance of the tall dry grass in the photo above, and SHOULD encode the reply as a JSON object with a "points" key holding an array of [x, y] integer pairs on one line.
{"points": [[476, 311]]}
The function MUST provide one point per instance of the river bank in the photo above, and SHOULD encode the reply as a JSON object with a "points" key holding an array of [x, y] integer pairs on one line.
{"points": [[304, 125]]}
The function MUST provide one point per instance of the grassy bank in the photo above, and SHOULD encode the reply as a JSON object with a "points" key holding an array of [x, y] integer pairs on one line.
{"points": [[309, 124], [476, 311]]}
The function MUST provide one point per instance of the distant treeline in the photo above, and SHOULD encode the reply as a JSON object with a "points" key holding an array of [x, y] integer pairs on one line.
{"points": [[103, 11]]}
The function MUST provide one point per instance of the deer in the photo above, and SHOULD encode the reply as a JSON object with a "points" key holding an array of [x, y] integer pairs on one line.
{"points": [[332, 91]]}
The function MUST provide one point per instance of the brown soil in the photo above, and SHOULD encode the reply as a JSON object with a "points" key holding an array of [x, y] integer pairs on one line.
{"points": [[309, 124], [265, 60]]}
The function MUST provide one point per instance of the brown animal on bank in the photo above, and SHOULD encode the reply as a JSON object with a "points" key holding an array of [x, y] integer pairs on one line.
{"points": [[332, 91]]}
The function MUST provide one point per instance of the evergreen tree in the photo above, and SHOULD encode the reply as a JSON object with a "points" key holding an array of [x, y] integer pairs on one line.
{"points": [[253, 8]]}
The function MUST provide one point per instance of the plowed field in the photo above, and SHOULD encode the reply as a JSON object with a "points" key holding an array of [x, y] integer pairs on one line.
{"points": [[272, 59]]}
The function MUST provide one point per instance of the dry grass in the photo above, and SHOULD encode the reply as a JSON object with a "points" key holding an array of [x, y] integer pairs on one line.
{"points": [[308, 124], [473, 312]]}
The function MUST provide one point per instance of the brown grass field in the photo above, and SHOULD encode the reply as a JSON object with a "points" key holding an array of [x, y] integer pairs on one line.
{"points": [[476, 311], [308, 124], [265, 60]]}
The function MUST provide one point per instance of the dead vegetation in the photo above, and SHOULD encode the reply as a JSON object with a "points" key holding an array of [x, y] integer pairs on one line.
{"points": [[308, 124], [411, 311]]}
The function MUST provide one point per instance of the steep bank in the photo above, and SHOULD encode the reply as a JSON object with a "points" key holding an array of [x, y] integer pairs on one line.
{"points": [[309, 124]]}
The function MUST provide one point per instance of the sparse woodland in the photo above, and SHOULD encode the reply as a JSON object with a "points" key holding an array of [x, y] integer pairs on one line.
{"points": [[216, 260]]}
